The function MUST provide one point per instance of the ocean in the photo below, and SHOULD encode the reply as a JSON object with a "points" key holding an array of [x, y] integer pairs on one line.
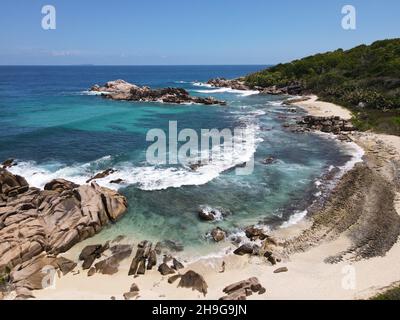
{"points": [[55, 128]]}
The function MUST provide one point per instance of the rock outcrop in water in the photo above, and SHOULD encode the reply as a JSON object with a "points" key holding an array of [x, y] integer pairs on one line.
{"points": [[269, 248], [218, 234], [236, 84], [36, 225], [207, 213], [122, 90], [102, 174], [8, 163]]}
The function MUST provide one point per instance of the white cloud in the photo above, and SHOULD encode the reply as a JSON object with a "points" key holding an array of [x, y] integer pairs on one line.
{"points": [[65, 53]]}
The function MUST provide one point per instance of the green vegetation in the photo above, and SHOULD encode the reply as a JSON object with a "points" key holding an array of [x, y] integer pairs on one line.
{"points": [[364, 79], [390, 294], [378, 121], [3, 279], [4, 276]]}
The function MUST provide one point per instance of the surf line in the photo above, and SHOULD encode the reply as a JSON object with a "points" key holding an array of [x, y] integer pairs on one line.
{"points": [[189, 152]]}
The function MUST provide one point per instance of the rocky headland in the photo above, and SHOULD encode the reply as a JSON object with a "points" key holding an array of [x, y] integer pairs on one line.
{"points": [[37, 225], [240, 84], [122, 90]]}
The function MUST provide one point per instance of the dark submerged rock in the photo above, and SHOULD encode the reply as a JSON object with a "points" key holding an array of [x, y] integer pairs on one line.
{"points": [[218, 234], [169, 245], [101, 175], [8, 163], [207, 213]]}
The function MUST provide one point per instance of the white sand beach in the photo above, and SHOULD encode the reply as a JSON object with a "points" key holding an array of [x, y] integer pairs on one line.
{"points": [[319, 108]]}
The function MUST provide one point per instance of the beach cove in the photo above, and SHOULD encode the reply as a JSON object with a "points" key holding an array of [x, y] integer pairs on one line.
{"points": [[308, 274], [279, 200]]}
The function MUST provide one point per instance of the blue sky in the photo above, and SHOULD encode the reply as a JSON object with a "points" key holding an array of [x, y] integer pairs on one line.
{"points": [[187, 32]]}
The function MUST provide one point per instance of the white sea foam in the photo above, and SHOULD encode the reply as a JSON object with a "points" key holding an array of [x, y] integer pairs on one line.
{"points": [[257, 112], [244, 112], [218, 216], [277, 103], [39, 175], [93, 93], [181, 81], [145, 177], [356, 153], [243, 93], [213, 259], [357, 156], [202, 84], [246, 93], [353, 149], [295, 218]]}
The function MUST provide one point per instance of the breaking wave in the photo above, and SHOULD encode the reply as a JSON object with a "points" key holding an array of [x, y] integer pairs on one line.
{"points": [[146, 177]]}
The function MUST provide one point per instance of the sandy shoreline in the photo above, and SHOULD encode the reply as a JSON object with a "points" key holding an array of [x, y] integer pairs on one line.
{"points": [[323, 109], [308, 276]]}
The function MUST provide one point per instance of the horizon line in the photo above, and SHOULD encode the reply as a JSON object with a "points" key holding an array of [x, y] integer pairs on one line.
{"points": [[128, 65]]}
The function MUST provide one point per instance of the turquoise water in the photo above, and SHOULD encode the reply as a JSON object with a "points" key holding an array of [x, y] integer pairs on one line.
{"points": [[55, 129]]}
